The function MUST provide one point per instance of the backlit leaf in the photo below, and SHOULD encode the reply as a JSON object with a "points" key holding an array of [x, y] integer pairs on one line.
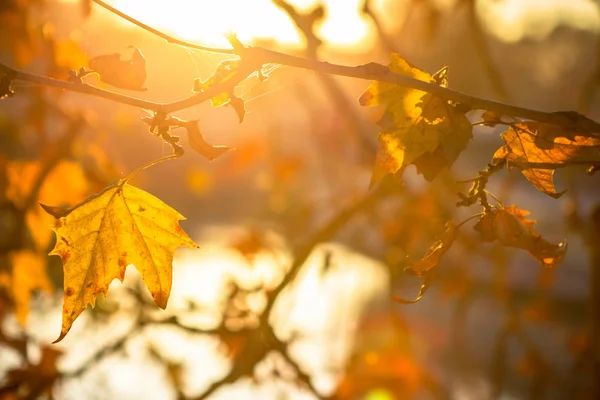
{"points": [[511, 228], [124, 74], [417, 127], [101, 236], [531, 143]]}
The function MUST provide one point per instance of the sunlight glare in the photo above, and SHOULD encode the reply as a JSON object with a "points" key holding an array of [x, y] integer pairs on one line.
{"points": [[207, 22]]}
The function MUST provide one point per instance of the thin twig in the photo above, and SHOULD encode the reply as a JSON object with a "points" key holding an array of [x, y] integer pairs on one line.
{"points": [[163, 108], [168, 38]]}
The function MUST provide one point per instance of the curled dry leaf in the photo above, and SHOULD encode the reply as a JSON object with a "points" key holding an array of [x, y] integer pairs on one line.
{"points": [[124, 74], [538, 149], [101, 236], [427, 266], [417, 127], [512, 229], [198, 143], [436, 251]]}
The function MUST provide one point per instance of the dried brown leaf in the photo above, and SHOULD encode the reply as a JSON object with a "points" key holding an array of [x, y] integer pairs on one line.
{"points": [[512, 229]]}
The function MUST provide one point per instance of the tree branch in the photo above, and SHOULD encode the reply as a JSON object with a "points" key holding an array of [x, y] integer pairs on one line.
{"points": [[165, 108], [256, 56]]}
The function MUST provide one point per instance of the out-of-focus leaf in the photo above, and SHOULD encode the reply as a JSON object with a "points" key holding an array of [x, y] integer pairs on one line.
{"points": [[427, 266], [417, 127], [511, 228], [125, 74], [37, 380], [530, 143], [68, 55], [97, 239], [28, 275], [65, 183], [436, 251]]}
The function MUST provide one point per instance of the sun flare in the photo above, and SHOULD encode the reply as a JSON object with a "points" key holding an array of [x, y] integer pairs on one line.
{"points": [[207, 22]]}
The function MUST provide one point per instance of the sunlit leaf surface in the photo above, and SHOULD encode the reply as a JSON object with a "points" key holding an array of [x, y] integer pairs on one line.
{"points": [[417, 127], [100, 237]]}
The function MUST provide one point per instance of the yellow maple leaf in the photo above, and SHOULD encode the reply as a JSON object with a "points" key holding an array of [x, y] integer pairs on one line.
{"points": [[417, 127], [101, 236]]}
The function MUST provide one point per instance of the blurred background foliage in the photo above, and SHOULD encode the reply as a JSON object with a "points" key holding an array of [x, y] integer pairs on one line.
{"points": [[493, 325]]}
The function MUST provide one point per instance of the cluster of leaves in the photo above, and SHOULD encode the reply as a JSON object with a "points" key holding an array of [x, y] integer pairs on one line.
{"points": [[430, 132]]}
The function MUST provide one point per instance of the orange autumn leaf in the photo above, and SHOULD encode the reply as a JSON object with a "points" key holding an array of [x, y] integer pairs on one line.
{"points": [[511, 228], [97, 239], [417, 128], [549, 146]]}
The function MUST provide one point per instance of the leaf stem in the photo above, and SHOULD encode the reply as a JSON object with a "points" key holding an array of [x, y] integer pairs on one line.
{"points": [[481, 214], [143, 167], [493, 196]]}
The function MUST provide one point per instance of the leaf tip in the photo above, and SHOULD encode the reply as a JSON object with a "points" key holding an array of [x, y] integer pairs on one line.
{"points": [[56, 212], [63, 333]]}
